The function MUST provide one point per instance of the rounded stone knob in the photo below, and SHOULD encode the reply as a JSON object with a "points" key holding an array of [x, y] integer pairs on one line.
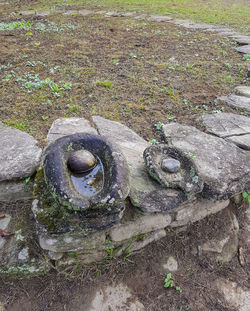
{"points": [[170, 165], [81, 161]]}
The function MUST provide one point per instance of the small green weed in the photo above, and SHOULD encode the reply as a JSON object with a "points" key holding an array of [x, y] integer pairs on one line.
{"points": [[15, 25], [153, 141], [191, 155], [159, 126], [169, 283], [17, 125], [108, 84], [26, 181], [246, 197], [111, 253], [246, 57]]}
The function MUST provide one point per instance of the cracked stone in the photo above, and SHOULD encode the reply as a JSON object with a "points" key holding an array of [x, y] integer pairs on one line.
{"points": [[245, 49], [68, 126], [223, 167], [242, 91], [238, 102], [232, 127]]}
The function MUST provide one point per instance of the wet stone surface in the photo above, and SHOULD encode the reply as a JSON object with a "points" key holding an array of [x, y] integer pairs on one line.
{"points": [[91, 182]]}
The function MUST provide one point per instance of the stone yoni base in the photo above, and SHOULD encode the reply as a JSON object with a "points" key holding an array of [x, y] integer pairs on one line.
{"points": [[124, 238]]}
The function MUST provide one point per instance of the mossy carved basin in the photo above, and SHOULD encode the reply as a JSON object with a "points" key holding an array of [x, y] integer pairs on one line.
{"points": [[98, 195]]}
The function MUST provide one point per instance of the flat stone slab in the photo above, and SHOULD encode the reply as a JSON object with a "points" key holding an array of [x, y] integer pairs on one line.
{"points": [[143, 224], [222, 166], [242, 40], [222, 244], [236, 297], [19, 154], [11, 191], [245, 49], [114, 298], [4, 222], [232, 127], [68, 126], [159, 18], [144, 191], [239, 102], [193, 211], [242, 91]]}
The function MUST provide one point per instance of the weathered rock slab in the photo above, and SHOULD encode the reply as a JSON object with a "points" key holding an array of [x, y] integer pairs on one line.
{"points": [[196, 210], [68, 126], [159, 18], [242, 142], [223, 241], [145, 192], [226, 124], [238, 102], [234, 128], [4, 223], [222, 166], [245, 49], [242, 40], [235, 296], [135, 244], [242, 91], [71, 242], [113, 298], [19, 154], [15, 190], [143, 224]]}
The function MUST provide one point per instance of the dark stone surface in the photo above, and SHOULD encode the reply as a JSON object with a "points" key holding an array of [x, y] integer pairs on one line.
{"points": [[103, 209], [81, 161], [185, 178]]}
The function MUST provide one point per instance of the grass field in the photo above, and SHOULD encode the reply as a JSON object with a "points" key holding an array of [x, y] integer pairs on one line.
{"points": [[234, 13]]}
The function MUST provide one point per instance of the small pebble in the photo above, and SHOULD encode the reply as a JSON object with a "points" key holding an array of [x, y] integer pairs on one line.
{"points": [[170, 165]]}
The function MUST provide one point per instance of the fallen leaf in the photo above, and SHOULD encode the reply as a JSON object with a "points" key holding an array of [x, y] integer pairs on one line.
{"points": [[2, 216]]}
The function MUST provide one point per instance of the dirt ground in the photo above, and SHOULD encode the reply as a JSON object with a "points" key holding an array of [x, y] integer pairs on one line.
{"points": [[71, 288], [139, 73], [136, 72]]}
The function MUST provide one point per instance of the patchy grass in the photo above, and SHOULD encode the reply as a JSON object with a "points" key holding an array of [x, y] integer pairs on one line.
{"points": [[233, 13], [136, 72]]}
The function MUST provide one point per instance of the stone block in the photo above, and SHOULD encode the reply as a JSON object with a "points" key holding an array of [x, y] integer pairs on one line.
{"points": [[245, 49], [68, 126], [238, 102], [139, 244], [145, 192], [232, 127], [223, 167], [72, 241], [193, 211], [242, 90], [19, 154], [141, 225], [15, 190]]}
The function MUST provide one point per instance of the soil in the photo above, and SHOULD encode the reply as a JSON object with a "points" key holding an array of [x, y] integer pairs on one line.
{"points": [[136, 72], [71, 288], [139, 73]]}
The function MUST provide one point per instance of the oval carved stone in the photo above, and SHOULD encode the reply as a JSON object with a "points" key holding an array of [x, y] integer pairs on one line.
{"points": [[81, 161]]}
